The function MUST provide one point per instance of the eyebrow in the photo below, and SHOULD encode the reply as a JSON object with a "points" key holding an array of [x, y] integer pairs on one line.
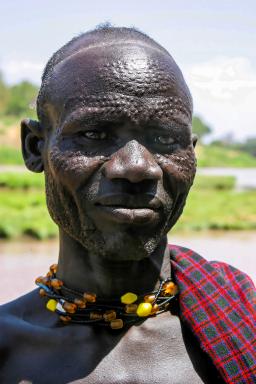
{"points": [[84, 114]]}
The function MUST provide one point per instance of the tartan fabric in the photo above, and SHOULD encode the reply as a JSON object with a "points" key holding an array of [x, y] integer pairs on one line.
{"points": [[218, 303]]}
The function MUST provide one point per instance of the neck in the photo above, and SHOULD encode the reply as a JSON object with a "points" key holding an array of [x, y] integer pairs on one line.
{"points": [[84, 272]]}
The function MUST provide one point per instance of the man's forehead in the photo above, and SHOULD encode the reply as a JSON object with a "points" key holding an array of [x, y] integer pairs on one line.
{"points": [[120, 72]]}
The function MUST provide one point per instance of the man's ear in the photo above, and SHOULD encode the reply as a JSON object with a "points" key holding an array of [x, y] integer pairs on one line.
{"points": [[194, 139], [32, 144]]}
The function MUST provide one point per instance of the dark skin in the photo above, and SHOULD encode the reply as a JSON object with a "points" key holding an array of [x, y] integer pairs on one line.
{"points": [[119, 162]]}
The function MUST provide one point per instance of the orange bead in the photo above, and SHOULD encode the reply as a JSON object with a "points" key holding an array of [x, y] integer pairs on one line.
{"points": [[65, 319], [131, 308], [96, 316], [109, 315], [117, 324], [170, 288], [154, 309], [80, 303], [56, 283], [90, 297], [69, 307], [42, 292], [53, 268], [43, 280], [149, 298]]}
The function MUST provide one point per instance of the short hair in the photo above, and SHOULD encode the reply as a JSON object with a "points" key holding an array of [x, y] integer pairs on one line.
{"points": [[99, 35]]}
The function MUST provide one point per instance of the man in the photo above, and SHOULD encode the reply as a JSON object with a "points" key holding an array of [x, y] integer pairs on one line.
{"points": [[114, 140]]}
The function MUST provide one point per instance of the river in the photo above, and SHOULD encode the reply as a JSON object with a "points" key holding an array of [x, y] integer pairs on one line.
{"points": [[22, 261], [245, 177]]}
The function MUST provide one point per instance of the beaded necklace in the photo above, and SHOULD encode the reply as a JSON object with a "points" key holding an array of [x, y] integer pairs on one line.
{"points": [[85, 308]]}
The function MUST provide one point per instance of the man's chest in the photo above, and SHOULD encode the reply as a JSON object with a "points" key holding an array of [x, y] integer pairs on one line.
{"points": [[153, 352], [147, 355]]}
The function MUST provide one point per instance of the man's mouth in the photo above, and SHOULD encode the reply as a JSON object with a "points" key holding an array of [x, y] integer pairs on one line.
{"points": [[127, 209]]}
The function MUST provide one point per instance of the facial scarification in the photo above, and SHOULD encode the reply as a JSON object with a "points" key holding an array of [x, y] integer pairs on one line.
{"points": [[121, 128]]}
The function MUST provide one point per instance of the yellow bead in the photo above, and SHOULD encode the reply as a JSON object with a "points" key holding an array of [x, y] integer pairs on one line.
{"points": [[144, 309], [129, 298], [51, 305]]}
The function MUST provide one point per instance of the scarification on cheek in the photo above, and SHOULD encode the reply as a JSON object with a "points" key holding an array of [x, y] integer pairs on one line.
{"points": [[73, 166], [179, 167]]}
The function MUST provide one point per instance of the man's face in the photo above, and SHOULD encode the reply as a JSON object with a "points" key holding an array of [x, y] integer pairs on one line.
{"points": [[119, 160]]}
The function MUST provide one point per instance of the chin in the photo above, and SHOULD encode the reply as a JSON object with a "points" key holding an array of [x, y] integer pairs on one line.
{"points": [[119, 245]]}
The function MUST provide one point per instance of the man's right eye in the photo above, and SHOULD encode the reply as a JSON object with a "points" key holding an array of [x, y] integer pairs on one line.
{"points": [[94, 135]]}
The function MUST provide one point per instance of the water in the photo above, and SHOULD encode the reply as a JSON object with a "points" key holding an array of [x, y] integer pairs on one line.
{"points": [[22, 261], [245, 177]]}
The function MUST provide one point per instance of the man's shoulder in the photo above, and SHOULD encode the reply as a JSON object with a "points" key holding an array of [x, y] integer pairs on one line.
{"points": [[188, 258], [198, 270], [21, 315]]}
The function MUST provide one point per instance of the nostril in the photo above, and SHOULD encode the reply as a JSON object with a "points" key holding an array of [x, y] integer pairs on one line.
{"points": [[134, 163]]}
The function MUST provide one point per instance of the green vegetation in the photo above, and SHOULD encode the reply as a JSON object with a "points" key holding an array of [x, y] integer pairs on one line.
{"points": [[218, 156], [10, 156], [200, 128], [23, 180], [209, 209], [212, 204], [17, 100]]}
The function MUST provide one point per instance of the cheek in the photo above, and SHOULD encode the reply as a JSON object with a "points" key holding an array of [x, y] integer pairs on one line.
{"points": [[72, 168], [179, 168]]}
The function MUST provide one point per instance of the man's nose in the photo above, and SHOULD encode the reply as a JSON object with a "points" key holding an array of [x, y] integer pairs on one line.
{"points": [[132, 162]]}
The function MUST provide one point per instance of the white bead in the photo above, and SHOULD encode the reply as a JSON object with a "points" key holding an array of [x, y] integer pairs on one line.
{"points": [[60, 308]]}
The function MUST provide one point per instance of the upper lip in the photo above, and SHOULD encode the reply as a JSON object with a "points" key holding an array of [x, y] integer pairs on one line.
{"points": [[129, 201]]}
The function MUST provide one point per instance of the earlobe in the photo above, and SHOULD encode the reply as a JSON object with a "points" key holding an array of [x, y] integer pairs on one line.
{"points": [[32, 142], [194, 139]]}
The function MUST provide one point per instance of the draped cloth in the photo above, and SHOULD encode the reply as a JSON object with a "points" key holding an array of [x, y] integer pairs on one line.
{"points": [[218, 304]]}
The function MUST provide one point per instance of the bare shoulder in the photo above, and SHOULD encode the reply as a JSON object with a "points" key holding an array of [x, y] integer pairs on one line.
{"points": [[21, 316]]}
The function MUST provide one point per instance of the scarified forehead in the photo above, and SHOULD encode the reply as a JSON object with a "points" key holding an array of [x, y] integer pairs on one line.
{"points": [[132, 71]]}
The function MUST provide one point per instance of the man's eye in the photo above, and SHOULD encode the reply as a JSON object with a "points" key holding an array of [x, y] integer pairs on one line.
{"points": [[94, 135], [164, 140]]}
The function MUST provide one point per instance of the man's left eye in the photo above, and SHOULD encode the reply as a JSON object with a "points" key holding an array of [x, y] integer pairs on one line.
{"points": [[164, 140], [95, 135]]}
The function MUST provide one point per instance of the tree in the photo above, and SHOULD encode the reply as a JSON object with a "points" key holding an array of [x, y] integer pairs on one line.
{"points": [[4, 94], [249, 146], [20, 98], [200, 128]]}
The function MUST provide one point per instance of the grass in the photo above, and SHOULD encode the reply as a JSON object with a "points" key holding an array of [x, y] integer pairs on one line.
{"points": [[23, 180], [10, 156], [225, 210], [212, 204], [215, 156], [25, 214]]}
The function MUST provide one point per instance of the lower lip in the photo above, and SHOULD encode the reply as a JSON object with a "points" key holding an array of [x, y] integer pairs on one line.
{"points": [[129, 215]]}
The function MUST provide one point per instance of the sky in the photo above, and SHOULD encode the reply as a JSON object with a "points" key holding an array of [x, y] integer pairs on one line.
{"points": [[213, 42]]}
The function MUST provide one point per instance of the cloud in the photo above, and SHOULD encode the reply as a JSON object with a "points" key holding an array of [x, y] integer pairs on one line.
{"points": [[224, 93], [15, 70]]}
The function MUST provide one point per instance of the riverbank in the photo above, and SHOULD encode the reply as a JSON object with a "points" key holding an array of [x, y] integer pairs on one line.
{"points": [[22, 261], [213, 203]]}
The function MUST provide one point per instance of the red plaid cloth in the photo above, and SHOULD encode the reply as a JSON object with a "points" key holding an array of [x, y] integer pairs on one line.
{"points": [[218, 303]]}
